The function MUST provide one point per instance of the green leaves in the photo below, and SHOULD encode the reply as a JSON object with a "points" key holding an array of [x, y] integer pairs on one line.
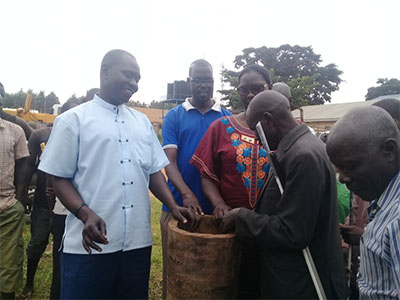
{"points": [[387, 87], [297, 66]]}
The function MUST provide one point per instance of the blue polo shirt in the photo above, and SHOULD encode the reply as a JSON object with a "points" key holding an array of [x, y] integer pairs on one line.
{"points": [[183, 129]]}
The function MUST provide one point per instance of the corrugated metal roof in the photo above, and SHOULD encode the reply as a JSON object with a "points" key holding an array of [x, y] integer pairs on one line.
{"points": [[328, 112]]}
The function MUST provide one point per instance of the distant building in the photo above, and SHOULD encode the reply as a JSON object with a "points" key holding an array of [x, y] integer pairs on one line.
{"points": [[178, 90], [393, 96], [322, 117]]}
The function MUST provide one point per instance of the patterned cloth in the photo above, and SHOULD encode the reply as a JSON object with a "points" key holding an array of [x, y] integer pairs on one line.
{"points": [[379, 276], [12, 147], [230, 156]]}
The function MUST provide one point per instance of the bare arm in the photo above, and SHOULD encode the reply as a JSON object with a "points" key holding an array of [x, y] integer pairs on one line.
{"points": [[188, 197], [94, 227], [159, 187], [20, 182], [211, 191]]}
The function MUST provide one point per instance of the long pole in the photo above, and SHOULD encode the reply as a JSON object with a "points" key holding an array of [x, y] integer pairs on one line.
{"points": [[349, 254], [306, 252]]}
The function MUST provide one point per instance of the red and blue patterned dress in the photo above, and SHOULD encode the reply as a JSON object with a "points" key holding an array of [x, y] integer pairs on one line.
{"points": [[230, 155]]}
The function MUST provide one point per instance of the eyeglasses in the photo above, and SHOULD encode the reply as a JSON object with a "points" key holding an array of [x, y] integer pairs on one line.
{"points": [[254, 89], [199, 81]]}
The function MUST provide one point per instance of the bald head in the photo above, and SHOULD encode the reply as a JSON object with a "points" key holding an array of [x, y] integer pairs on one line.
{"points": [[282, 88], [363, 127], [272, 109], [364, 146]]}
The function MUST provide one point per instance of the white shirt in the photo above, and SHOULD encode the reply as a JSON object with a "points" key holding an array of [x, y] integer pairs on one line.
{"points": [[109, 152]]}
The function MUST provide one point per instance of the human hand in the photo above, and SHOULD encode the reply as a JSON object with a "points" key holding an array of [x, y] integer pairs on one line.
{"points": [[190, 201], [186, 216], [94, 229], [228, 221], [220, 211], [351, 234]]}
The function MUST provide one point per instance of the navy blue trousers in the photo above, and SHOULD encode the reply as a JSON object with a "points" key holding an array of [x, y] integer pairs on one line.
{"points": [[118, 275]]}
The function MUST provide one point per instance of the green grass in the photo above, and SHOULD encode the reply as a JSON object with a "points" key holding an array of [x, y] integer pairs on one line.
{"points": [[44, 271]]}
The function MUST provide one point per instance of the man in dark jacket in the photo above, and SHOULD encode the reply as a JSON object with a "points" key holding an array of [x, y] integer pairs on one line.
{"points": [[304, 216]]}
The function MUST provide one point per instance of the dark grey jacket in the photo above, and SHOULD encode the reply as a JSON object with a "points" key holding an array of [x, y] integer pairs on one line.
{"points": [[305, 215]]}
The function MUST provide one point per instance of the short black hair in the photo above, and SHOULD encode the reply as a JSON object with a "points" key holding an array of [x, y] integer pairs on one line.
{"points": [[256, 68], [111, 56], [391, 105], [199, 62], [68, 105]]}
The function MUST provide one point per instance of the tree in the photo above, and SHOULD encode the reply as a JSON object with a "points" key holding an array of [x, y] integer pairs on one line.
{"points": [[132, 103], [297, 66], [40, 101], [387, 87]]}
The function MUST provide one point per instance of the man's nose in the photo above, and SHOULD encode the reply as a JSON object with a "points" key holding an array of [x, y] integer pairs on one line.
{"points": [[134, 85]]}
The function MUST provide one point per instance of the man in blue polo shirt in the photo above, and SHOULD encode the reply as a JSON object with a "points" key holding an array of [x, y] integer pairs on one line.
{"points": [[183, 128]]}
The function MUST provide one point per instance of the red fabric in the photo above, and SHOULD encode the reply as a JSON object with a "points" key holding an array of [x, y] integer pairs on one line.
{"points": [[230, 155]]}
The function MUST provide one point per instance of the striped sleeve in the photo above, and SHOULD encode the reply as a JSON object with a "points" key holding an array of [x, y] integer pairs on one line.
{"points": [[394, 235]]}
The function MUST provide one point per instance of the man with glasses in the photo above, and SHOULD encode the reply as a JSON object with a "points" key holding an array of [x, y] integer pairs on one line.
{"points": [[183, 128]]}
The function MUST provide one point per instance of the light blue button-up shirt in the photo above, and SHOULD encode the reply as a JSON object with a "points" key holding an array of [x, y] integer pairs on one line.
{"points": [[109, 152]]}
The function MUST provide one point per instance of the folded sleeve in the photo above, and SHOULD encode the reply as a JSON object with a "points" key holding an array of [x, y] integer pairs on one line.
{"points": [[170, 130], [159, 159], [60, 157]]}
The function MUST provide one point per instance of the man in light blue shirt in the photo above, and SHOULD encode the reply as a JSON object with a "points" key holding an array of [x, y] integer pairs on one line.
{"points": [[103, 157], [365, 147]]}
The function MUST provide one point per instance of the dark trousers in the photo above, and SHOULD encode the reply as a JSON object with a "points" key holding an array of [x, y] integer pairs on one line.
{"points": [[118, 275], [58, 232], [40, 231], [249, 274]]}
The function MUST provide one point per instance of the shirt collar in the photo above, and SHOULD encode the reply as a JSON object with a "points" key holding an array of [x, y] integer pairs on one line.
{"points": [[1, 123], [291, 137], [103, 103], [188, 106], [392, 191]]}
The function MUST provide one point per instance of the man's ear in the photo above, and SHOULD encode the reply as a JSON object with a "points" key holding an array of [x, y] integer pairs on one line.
{"points": [[267, 117], [390, 149]]}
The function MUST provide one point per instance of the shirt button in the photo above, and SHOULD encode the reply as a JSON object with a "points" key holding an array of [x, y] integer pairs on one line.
{"points": [[131, 182], [123, 121], [126, 140], [122, 161]]}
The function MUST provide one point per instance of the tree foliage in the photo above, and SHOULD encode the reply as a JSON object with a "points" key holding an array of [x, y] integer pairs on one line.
{"points": [[297, 66], [386, 87], [132, 103], [40, 102]]}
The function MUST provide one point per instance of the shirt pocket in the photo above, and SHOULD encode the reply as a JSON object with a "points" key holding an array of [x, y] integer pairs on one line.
{"points": [[142, 153]]}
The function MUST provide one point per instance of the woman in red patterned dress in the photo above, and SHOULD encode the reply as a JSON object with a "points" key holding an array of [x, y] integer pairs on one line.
{"points": [[234, 167]]}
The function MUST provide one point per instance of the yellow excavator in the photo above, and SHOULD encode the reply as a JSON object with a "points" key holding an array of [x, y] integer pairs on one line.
{"points": [[27, 115]]}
